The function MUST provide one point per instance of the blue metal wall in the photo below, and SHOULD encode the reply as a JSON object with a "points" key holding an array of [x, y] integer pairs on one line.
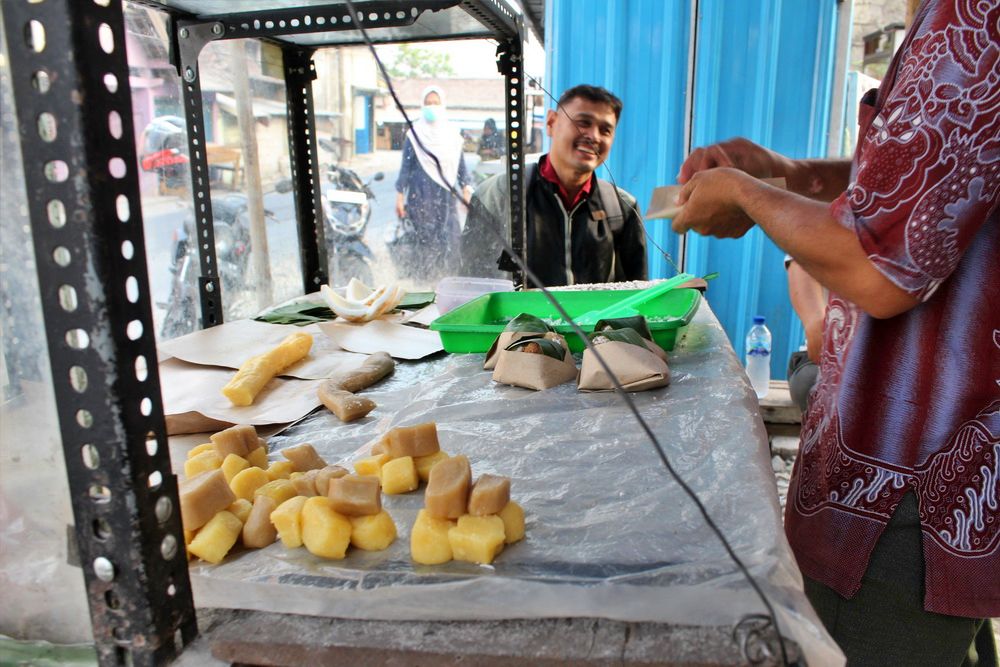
{"points": [[763, 70], [638, 49]]}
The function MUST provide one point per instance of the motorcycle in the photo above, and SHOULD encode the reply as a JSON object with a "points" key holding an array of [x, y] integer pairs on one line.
{"points": [[162, 149], [346, 211], [232, 254]]}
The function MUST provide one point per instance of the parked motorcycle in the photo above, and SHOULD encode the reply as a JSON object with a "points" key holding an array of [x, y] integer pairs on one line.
{"points": [[347, 210], [163, 150], [231, 227]]}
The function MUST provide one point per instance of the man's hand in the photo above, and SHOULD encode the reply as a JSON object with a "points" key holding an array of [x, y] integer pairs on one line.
{"points": [[710, 208], [400, 206], [738, 153]]}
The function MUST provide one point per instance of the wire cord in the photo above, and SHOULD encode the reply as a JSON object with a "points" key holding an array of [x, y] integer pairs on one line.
{"points": [[624, 395]]}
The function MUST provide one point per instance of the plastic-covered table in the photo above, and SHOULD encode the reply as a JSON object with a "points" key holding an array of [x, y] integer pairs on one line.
{"points": [[617, 560]]}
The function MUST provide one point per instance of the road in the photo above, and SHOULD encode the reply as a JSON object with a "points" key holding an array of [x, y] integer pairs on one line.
{"points": [[164, 217]]}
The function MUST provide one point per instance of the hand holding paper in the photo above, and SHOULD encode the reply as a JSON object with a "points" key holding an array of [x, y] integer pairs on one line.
{"points": [[706, 203]]}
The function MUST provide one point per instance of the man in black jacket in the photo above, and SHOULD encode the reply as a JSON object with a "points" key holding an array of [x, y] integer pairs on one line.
{"points": [[581, 229]]}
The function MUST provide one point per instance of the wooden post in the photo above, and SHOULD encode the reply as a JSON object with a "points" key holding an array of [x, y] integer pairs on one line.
{"points": [[251, 169]]}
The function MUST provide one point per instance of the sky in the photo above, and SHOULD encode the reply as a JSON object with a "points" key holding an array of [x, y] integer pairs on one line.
{"points": [[475, 58]]}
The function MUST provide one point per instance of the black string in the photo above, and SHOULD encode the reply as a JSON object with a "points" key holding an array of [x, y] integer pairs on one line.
{"points": [[586, 340]]}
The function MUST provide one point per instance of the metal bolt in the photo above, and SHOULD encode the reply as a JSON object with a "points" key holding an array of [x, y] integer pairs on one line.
{"points": [[184, 33], [216, 28], [189, 75], [104, 569]]}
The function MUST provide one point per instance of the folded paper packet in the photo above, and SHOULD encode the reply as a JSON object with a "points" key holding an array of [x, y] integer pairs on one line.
{"points": [[636, 362], [534, 371], [663, 204], [636, 368], [506, 339], [524, 325], [638, 324]]}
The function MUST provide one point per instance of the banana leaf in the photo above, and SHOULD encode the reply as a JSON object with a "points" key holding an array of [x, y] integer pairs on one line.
{"points": [[550, 348], [637, 323], [299, 314], [416, 300], [619, 335], [526, 322]]}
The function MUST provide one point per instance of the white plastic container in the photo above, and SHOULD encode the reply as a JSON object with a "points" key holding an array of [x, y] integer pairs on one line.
{"points": [[453, 291]]}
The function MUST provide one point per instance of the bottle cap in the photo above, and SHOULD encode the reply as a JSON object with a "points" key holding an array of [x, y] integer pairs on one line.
{"points": [[758, 319]]}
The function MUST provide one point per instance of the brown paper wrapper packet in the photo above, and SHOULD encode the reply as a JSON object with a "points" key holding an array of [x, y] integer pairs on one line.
{"points": [[508, 337], [533, 371], [637, 369], [500, 344], [655, 349]]}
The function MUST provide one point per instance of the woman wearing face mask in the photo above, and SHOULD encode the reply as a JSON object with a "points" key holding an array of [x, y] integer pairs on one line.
{"points": [[423, 197]]}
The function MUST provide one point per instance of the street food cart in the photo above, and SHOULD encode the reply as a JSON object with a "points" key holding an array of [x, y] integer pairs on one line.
{"points": [[619, 564]]}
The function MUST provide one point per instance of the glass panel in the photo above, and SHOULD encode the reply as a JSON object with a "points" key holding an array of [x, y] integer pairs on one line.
{"points": [[164, 174], [258, 260], [45, 595], [362, 135], [165, 177]]}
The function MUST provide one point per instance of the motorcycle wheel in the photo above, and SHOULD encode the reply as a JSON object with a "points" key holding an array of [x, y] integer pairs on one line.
{"points": [[342, 269]]}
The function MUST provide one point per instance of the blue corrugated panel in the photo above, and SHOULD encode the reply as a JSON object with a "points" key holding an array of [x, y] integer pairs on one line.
{"points": [[763, 70], [638, 49]]}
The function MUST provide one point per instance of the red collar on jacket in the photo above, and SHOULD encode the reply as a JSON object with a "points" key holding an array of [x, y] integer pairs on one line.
{"points": [[548, 172]]}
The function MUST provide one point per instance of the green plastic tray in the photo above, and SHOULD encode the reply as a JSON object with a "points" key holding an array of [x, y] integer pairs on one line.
{"points": [[472, 327]]}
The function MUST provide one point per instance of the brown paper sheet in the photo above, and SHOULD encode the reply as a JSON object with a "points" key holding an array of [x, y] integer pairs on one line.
{"points": [[663, 203], [637, 369], [232, 343], [188, 388], [400, 341], [424, 316], [533, 371], [193, 422]]}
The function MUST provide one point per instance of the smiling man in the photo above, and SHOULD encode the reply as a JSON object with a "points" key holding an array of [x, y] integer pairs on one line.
{"points": [[580, 229]]}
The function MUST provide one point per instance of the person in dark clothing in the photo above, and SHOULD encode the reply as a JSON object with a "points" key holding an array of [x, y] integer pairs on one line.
{"points": [[580, 229], [491, 143], [425, 204], [809, 301]]}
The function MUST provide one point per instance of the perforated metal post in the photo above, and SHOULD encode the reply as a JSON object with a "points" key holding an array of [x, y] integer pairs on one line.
{"points": [[300, 72], [71, 87], [191, 38], [510, 63]]}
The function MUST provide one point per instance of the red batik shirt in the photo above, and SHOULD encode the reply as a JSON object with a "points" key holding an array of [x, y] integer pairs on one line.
{"points": [[912, 403]]}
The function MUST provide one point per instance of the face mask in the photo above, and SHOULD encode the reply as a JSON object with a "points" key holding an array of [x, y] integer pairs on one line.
{"points": [[432, 112]]}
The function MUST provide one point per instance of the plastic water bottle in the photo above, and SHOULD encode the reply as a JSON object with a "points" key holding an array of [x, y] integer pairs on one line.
{"points": [[759, 356]]}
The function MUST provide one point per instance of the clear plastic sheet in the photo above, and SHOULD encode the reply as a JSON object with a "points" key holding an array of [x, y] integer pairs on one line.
{"points": [[609, 533], [43, 596]]}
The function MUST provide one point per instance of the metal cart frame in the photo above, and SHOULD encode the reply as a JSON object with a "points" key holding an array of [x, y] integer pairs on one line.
{"points": [[70, 78]]}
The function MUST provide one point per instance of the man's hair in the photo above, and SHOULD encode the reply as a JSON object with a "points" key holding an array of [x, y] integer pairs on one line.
{"points": [[595, 94]]}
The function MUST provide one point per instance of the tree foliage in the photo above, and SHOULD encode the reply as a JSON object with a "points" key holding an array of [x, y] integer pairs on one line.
{"points": [[415, 62]]}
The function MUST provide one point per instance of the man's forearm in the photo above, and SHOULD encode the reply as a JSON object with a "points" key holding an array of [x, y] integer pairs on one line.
{"points": [[828, 251], [823, 180], [809, 302]]}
